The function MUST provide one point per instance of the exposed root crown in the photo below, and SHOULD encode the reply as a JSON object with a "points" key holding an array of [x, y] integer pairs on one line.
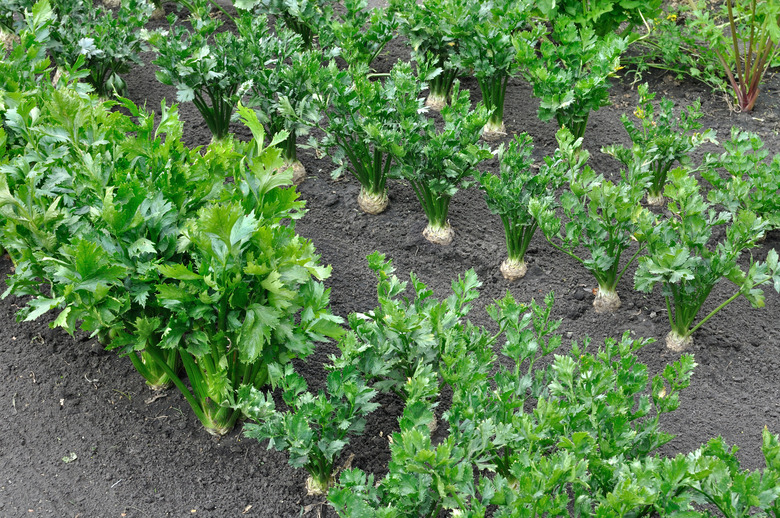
{"points": [[678, 343], [372, 203], [513, 270], [606, 301], [439, 236]]}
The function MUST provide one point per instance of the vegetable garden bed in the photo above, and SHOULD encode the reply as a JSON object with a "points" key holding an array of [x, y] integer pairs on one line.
{"points": [[81, 435]]}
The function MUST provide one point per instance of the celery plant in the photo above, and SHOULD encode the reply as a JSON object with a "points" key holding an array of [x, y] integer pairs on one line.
{"points": [[433, 29], [509, 195], [361, 32], [602, 216], [437, 163], [685, 263], [663, 140], [751, 183]]}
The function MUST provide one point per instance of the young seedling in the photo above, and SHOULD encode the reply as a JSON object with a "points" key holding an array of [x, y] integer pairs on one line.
{"points": [[682, 259], [569, 69], [752, 182], [438, 163], [661, 138], [602, 216], [509, 195], [314, 429]]}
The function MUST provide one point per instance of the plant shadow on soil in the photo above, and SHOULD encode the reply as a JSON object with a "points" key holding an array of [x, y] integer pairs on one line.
{"points": [[138, 454]]}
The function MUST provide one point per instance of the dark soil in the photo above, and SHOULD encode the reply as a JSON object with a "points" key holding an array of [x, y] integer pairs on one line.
{"points": [[82, 436]]}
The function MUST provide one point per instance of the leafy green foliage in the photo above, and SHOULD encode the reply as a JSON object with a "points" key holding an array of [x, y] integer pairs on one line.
{"points": [[109, 43], [433, 29], [283, 80], [368, 121], [485, 47], [509, 193], [664, 140], [307, 18], [404, 338], [569, 68], [204, 66], [751, 182], [314, 429], [603, 16], [598, 214], [682, 259], [360, 32], [438, 163]]}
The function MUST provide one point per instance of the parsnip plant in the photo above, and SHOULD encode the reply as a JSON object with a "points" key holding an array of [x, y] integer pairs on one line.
{"points": [[751, 183], [509, 195], [602, 216], [438, 163], [485, 47], [313, 429], [569, 69], [283, 84], [433, 29], [663, 140], [110, 43], [367, 124], [687, 266], [204, 66]]}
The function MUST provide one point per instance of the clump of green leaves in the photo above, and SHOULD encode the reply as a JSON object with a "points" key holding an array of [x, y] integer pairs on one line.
{"points": [[360, 32], [282, 89], [602, 216], [603, 16], [307, 18], [509, 195], [314, 429], [485, 47], [110, 43], [687, 266], [661, 138], [569, 68], [433, 29], [368, 123], [204, 66], [751, 183], [438, 163]]}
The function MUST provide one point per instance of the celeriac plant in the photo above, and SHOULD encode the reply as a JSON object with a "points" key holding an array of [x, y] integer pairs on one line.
{"points": [[662, 139], [687, 266], [314, 429], [367, 123], [111, 43], [438, 163], [509, 195], [9, 10], [433, 29], [751, 184], [283, 84], [307, 18], [485, 47], [569, 69], [204, 66], [360, 32], [602, 216]]}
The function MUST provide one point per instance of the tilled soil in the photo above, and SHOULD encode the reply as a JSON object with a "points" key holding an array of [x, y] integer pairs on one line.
{"points": [[82, 436]]}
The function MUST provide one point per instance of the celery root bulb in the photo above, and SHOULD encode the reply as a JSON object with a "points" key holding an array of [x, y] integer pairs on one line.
{"points": [[436, 102], [606, 301], [299, 172], [513, 270], [493, 131], [678, 343], [371, 203], [439, 235]]}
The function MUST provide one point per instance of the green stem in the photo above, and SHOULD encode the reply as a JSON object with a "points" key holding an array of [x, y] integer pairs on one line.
{"points": [[194, 404]]}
